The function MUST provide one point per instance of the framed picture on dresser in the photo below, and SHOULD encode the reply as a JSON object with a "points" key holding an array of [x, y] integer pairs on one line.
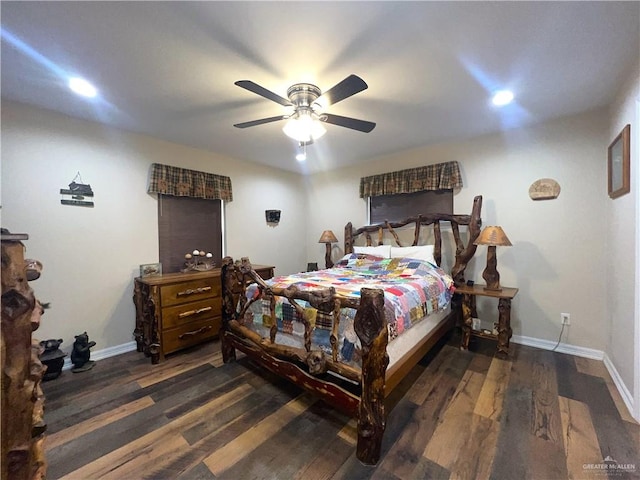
{"points": [[150, 269]]}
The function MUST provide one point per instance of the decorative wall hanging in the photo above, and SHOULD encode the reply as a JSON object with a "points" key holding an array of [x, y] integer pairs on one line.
{"points": [[544, 189], [77, 193], [272, 216], [618, 164]]}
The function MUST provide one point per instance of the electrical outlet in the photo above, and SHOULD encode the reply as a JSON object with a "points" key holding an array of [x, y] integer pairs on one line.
{"points": [[565, 318]]}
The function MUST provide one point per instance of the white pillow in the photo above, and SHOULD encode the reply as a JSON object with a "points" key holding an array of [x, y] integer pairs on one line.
{"points": [[383, 251], [423, 252]]}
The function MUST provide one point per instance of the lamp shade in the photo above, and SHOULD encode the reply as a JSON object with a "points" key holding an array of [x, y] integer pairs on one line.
{"points": [[493, 236], [328, 237]]}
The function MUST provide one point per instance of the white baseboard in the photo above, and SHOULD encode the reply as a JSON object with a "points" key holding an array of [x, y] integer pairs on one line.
{"points": [[562, 347], [627, 398], [104, 353], [586, 353]]}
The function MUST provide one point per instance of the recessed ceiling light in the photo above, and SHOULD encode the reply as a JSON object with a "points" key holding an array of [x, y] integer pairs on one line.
{"points": [[82, 87], [502, 97]]}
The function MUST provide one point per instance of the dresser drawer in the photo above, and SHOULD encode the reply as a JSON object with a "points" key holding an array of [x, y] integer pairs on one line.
{"points": [[180, 314], [190, 291], [190, 334]]}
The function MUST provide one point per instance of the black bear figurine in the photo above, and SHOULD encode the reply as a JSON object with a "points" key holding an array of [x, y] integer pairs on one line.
{"points": [[80, 354], [52, 357]]}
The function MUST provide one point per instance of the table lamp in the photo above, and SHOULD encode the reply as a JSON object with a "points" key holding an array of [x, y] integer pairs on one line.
{"points": [[328, 238], [493, 237]]}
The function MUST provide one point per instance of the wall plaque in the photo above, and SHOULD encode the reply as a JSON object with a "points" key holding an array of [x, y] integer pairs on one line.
{"points": [[544, 189], [76, 193]]}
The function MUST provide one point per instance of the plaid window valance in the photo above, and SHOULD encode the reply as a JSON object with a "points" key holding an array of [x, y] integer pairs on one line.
{"points": [[440, 176], [181, 182]]}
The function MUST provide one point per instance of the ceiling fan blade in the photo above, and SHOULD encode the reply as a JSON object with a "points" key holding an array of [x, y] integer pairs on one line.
{"points": [[346, 88], [253, 123], [352, 123], [263, 92]]}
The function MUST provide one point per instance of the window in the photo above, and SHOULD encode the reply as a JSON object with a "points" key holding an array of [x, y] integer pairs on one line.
{"points": [[401, 206], [186, 224]]}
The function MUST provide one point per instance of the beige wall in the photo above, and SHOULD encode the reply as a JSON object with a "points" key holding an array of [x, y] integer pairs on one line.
{"points": [[91, 255], [623, 340], [556, 260]]}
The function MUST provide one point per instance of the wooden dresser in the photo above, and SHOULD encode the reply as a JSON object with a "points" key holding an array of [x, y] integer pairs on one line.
{"points": [[178, 310]]}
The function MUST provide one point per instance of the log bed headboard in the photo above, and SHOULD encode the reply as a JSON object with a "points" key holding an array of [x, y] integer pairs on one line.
{"points": [[464, 253]]}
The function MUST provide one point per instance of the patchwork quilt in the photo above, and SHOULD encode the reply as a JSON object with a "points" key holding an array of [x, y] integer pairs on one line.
{"points": [[412, 288]]}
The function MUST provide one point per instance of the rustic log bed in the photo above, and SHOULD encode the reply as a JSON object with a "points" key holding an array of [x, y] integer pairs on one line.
{"points": [[323, 374]]}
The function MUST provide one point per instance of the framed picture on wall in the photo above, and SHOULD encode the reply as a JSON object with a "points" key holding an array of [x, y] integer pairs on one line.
{"points": [[618, 164], [150, 269]]}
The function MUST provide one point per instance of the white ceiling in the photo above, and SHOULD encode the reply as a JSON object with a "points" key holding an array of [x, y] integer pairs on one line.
{"points": [[167, 69]]}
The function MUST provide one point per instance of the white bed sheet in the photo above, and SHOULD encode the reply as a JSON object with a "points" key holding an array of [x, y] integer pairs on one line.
{"points": [[402, 344]]}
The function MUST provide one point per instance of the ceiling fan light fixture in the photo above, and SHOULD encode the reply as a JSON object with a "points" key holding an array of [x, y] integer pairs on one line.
{"points": [[303, 127], [306, 123]]}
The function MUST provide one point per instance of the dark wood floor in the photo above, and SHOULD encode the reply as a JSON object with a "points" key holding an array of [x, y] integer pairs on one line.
{"points": [[458, 415]]}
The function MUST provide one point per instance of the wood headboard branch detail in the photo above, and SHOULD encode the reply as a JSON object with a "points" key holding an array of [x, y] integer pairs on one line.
{"points": [[464, 253]]}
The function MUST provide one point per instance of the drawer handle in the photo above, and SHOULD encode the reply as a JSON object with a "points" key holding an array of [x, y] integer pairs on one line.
{"points": [[192, 291], [194, 312], [195, 332]]}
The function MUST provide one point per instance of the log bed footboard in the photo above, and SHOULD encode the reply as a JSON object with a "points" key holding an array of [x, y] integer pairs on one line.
{"points": [[304, 366], [364, 397]]}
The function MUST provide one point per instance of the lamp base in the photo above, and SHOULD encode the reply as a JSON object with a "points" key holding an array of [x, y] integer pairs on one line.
{"points": [[490, 274], [327, 257], [493, 289]]}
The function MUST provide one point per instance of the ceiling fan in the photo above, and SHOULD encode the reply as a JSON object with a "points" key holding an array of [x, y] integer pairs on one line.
{"points": [[308, 101]]}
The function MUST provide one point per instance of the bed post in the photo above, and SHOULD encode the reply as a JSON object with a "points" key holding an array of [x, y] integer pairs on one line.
{"points": [[348, 239], [457, 272], [228, 308], [371, 327]]}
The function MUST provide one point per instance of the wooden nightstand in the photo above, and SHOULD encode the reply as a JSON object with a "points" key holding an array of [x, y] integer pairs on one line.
{"points": [[504, 296]]}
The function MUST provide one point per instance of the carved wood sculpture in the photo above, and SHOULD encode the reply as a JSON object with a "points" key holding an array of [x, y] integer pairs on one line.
{"points": [[22, 397]]}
